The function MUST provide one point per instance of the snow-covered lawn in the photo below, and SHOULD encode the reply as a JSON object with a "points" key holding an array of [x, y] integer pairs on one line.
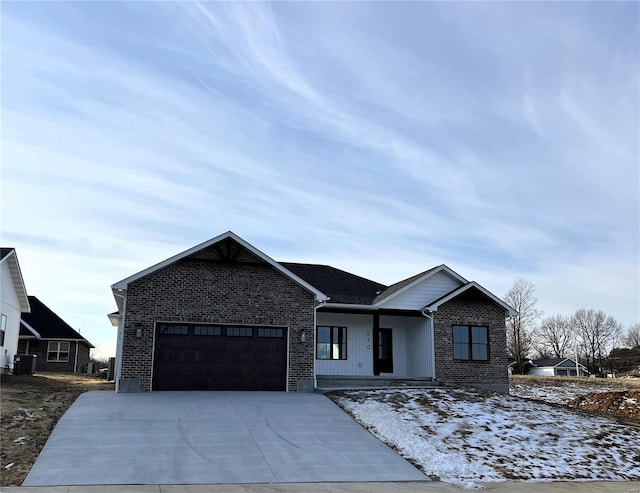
{"points": [[468, 436]]}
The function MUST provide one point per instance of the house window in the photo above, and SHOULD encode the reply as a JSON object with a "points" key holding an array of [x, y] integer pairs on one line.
{"points": [[470, 342], [58, 351], [331, 343], [3, 328], [23, 346]]}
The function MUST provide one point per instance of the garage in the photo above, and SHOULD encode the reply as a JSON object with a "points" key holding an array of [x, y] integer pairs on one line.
{"points": [[219, 357]]}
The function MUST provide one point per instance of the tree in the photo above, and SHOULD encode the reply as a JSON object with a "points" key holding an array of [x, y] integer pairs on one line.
{"points": [[554, 337], [631, 338], [522, 298], [596, 332]]}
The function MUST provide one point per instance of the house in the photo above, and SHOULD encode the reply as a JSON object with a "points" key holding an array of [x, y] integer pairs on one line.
{"points": [[557, 367], [57, 346], [223, 316], [13, 301]]}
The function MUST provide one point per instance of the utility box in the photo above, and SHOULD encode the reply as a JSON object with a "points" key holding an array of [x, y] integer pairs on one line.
{"points": [[24, 364], [90, 368]]}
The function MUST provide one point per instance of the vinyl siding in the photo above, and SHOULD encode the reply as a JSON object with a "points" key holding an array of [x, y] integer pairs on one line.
{"points": [[359, 342], [423, 293], [9, 306]]}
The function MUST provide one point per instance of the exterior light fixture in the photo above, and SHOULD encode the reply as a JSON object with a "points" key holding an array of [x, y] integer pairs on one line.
{"points": [[303, 336], [138, 330]]}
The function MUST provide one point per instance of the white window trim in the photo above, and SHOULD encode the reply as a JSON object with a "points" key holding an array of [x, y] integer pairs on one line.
{"points": [[58, 351]]}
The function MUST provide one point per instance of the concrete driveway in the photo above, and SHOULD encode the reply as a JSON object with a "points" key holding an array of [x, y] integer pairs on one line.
{"points": [[212, 437]]}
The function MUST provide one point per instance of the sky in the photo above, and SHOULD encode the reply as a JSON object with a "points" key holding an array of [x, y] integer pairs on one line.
{"points": [[501, 139]]}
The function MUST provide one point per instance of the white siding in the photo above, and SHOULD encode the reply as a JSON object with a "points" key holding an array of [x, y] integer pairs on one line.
{"points": [[423, 293], [359, 343], [9, 306], [412, 350]]}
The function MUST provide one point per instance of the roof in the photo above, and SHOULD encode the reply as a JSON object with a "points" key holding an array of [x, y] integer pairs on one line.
{"points": [[10, 256], [43, 322], [470, 288], [121, 286], [340, 286], [553, 362]]}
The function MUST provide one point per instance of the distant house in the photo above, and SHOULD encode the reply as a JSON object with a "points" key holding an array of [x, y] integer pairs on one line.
{"points": [[13, 301], [557, 367], [56, 344]]}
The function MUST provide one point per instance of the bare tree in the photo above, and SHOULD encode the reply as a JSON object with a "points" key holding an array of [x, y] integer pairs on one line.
{"points": [[554, 337], [631, 338], [596, 332], [522, 298]]}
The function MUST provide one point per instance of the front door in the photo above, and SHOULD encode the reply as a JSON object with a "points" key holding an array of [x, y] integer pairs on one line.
{"points": [[382, 351]]}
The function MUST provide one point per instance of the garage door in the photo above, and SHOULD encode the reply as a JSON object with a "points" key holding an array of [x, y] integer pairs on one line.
{"points": [[219, 357]]}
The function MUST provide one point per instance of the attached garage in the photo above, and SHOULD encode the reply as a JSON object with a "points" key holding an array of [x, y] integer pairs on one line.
{"points": [[219, 357]]}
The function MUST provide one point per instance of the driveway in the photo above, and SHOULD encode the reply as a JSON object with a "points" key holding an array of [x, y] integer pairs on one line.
{"points": [[212, 437]]}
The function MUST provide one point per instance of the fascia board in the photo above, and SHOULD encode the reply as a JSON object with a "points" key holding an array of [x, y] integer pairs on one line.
{"points": [[35, 333]]}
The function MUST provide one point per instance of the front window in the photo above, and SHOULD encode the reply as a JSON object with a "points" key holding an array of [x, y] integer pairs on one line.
{"points": [[470, 342], [331, 343], [58, 351], [3, 328]]}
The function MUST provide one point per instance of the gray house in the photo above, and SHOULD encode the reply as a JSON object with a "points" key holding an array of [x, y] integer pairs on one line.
{"points": [[225, 316]]}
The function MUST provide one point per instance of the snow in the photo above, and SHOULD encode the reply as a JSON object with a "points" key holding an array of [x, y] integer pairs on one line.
{"points": [[467, 436]]}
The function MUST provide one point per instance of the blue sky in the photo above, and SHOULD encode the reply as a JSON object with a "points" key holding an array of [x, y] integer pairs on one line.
{"points": [[381, 138]]}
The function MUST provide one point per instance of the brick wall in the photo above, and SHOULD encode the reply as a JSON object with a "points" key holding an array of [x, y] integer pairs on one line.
{"points": [[205, 288], [490, 374]]}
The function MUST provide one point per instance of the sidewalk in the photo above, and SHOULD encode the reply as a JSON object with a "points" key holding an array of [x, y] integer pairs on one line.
{"points": [[406, 487]]}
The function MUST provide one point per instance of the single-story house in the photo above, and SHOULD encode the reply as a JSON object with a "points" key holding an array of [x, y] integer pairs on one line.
{"points": [[224, 316], [57, 345], [13, 301], [557, 367]]}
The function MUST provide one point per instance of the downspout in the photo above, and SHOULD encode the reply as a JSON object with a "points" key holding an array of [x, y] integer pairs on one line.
{"points": [[313, 340], [75, 363], [120, 342], [433, 341]]}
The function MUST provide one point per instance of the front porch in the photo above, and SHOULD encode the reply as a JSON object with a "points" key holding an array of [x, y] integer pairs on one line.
{"points": [[328, 383]]}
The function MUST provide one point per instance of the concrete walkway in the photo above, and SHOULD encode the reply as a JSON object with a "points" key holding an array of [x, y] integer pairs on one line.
{"points": [[182, 438], [405, 487]]}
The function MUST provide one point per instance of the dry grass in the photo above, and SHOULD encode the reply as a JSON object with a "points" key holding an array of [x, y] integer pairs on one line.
{"points": [[30, 407], [622, 383]]}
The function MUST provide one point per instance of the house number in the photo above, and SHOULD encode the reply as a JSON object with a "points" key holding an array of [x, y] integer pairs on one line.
{"points": [[368, 339]]}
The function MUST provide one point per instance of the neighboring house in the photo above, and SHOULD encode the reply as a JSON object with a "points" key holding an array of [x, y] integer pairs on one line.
{"points": [[225, 316], [557, 367], [56, 344], [13, 301]]}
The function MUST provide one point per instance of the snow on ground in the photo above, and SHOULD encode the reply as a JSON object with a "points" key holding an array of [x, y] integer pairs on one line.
{"points": [[558, 392], [467, 436]]}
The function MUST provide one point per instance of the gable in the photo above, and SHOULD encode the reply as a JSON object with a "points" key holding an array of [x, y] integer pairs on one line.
{"points": [[12, 275], [415, 295], [226, 248]]}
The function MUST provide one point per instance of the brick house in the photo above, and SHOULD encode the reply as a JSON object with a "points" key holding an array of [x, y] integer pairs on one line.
{"points": [[225, 316], [58, 346]]}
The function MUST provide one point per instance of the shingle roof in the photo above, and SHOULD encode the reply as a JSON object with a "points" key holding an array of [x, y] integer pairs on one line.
{"points": [[47, 323], [340, 286]]}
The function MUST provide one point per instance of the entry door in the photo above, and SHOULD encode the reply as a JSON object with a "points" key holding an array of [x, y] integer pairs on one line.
{"points": [[383, 351]]}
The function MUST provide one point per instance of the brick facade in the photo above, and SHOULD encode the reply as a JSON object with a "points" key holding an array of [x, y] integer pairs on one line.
{"points": [[223, 284], [490, 374]]}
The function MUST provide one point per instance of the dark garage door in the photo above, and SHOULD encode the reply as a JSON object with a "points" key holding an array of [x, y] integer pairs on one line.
{"points": [[218, 357]]}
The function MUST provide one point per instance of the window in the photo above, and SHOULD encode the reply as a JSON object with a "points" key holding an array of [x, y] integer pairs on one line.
{"points": [[172, 329], [269, 332], [23, 346], [239, 332], [3, 328], [58, 351], [331, 343], [470, 342], [206, 330]]}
